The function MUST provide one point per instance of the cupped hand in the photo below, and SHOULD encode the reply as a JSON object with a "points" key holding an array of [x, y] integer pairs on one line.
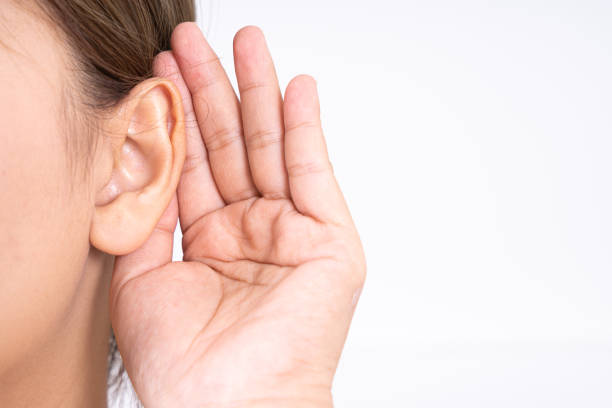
{"points": [[258, 311]]}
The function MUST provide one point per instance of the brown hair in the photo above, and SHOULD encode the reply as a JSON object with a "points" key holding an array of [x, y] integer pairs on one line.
{"points": [[112, 44], [115, 41]]}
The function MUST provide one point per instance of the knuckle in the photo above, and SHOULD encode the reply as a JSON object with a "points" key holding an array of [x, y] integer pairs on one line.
{"points": [[223, 138], [304, 168], [251, 86], [198, 65], [201, 83], [263, 138], [316, 124], [204, 74], [194, 160]]}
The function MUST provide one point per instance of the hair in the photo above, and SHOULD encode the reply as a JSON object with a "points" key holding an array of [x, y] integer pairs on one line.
{"points": [[112, 45]]}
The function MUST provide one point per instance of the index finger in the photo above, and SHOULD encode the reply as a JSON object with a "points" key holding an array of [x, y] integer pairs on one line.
{"points": [[197, 192]]}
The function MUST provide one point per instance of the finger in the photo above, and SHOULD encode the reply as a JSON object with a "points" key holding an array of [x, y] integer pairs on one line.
{"points": [[262, 112], [314, 189], [154, 253], [217, 110], [197, 192]]}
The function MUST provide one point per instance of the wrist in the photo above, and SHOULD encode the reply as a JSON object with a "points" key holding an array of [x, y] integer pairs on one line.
{"points": [[304, 401], [310, 397], [307, 390], [308, 401]]}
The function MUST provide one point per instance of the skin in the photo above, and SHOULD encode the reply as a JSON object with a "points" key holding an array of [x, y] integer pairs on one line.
{"points": [[54, 285], [257, 312]]}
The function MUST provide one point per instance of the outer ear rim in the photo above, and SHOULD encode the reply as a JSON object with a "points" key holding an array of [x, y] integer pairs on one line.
{"points": [[153, 197]]}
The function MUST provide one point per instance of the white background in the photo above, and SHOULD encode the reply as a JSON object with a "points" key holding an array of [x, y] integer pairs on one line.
{"points": [[472, 140]]}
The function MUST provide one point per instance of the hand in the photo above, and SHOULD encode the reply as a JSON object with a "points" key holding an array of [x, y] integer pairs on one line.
{"points": [[258, 311]]}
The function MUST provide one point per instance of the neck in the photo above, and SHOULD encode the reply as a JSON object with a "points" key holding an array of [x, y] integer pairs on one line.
{"points": [[70, 370]]}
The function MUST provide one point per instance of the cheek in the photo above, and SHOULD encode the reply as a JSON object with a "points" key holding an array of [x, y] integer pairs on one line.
{"points": [[43, 222]]}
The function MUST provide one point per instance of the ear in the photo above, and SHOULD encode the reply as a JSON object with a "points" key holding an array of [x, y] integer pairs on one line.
{"points": [[147, 144]]}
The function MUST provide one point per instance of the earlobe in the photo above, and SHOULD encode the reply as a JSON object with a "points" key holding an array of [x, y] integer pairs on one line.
{"points": [[147, 136]]}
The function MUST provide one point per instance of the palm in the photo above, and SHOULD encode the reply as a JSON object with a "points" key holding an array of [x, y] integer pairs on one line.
{"points": [[263, 297]]}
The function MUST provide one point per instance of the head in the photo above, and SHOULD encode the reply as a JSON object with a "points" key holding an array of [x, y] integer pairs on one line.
{"points": [[92, 148]]}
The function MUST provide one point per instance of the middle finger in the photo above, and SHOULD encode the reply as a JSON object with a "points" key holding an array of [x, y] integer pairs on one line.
{"points": [[262, 112]]}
